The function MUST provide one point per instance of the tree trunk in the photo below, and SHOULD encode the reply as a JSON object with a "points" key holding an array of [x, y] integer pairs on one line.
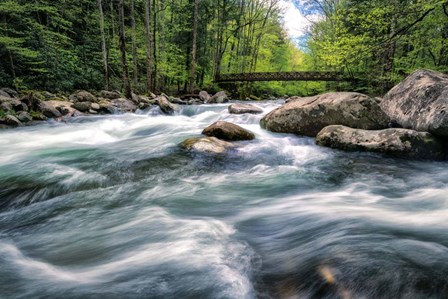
{"points": [[103, 46], [148, 46], [193, 47], [134, 45], [127, 85]]}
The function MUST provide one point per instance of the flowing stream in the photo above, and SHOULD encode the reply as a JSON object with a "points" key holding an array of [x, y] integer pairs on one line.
{"points": [[111, 207]]}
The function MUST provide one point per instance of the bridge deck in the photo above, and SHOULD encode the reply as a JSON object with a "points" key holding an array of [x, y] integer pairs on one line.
{"points": [[281, 76]]}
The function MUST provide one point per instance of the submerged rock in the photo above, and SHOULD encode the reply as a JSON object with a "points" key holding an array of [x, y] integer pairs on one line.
{"points": [[228, 131], [307, 116], [420, 102], [402, 143], [166, 106], [207, 145], [244, 108]]}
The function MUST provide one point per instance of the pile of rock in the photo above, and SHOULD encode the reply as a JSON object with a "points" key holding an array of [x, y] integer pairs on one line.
{"points": [[354, 122], [219, 137]]}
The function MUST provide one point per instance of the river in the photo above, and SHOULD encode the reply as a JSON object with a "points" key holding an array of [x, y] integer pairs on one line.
{"points": [[112, 207]]}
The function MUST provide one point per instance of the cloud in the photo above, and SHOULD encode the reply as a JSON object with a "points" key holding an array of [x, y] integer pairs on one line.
{"points": [[295, 23]]}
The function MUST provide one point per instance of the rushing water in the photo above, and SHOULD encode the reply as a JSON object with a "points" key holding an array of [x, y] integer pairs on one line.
{"points": [[111, 207]]}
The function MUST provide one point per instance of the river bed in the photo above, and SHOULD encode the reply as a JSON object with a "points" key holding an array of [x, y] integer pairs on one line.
{"points": [[112, 207]]}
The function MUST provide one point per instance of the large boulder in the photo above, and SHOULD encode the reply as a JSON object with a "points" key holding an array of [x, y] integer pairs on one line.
{"points": [[227, 131], [244, 108], [307, 116], [65, 108], [219, 98], [165, 105], [207, 145], [403, 143], [204, 96], [111, 95], [420, 102]]}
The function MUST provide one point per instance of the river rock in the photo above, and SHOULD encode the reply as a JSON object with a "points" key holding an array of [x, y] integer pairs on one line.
{"points": [[65, 108], [244, 108], [207, 145], [111, 95], [402, 143], [178, 101], [204, 96], [49, 110], [24, 117], [123, 105], [228, 131], [95, 106], [83, 96], [219, 98], [82, 106], [4, 94], [307, 116], [166, 106], [11, 120], [420, 102], [11, 92]]}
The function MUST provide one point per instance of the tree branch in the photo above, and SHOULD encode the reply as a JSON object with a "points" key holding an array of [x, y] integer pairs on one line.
{"points": [[407, 27]]}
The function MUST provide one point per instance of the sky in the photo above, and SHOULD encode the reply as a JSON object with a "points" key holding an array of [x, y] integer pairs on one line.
{"points": [[295, 22]]}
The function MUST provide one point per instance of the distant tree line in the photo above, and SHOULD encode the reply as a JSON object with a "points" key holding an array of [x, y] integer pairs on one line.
{"points": [[142, 45]]}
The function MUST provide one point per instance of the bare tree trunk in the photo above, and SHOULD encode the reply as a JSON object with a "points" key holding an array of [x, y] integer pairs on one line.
{"points": [[148, 46], [193, 47], [134, 45], [103, 46], [127, 85], [154, 47]]}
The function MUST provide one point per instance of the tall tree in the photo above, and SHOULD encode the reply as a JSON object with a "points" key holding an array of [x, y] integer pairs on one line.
{"points": [[148, 34], [124, 62], [103, 46], [193, 46]]}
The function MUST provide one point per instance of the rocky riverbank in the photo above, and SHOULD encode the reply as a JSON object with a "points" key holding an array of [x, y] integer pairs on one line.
{"points": [[411, 121], [30, 107]]}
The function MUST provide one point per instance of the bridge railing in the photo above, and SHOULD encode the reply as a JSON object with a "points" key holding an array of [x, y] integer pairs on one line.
{"points": [[281, 76]]}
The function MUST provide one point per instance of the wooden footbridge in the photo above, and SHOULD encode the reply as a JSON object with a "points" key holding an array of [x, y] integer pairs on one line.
{"points": [[282, 76]]}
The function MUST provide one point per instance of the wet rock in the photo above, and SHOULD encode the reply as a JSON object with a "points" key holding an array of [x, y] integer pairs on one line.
{"points": [[32, 100], [111, 95], [228, 131], [207, 145], [244, 108], [91, 111], [95, 106], [402, 143], [11, 120], [64, 107], [24, 117], [194, 102], [219, 98], [204, 96], [5, 105], [166, 106], [420, 102], [82, 106], [307, 116]]}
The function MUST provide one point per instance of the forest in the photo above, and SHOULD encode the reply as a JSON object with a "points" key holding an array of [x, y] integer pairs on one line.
{"points": [[178, 46]]}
